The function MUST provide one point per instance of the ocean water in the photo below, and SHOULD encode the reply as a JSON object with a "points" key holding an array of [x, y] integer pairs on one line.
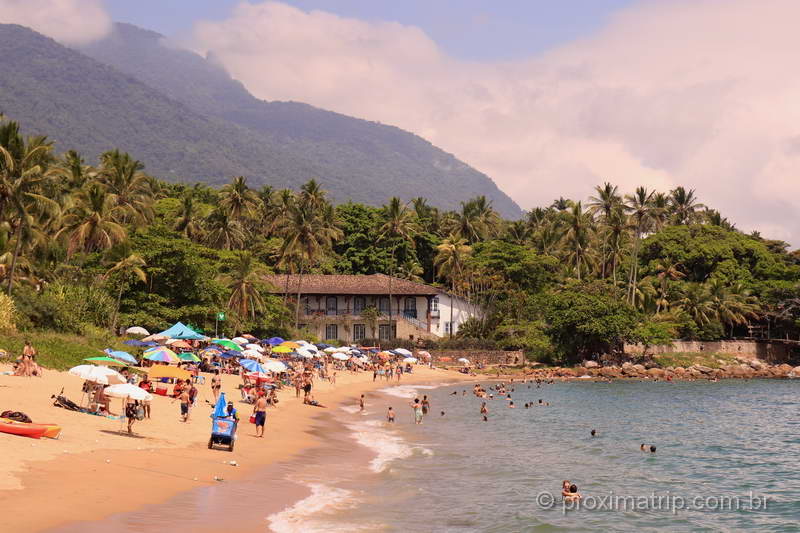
{"points": [[726, 460]]}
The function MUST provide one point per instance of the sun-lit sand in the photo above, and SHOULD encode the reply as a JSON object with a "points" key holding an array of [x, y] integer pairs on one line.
{"points": [[93, 470]]}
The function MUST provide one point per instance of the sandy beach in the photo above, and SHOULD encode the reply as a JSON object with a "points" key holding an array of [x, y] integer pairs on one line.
{"points": [[93, 470]]}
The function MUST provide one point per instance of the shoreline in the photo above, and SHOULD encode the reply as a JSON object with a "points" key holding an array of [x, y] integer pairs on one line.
{"points": [[151, 469]]}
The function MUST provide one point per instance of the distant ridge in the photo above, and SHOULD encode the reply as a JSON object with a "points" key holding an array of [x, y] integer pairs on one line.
{"points": [[187, 120]]}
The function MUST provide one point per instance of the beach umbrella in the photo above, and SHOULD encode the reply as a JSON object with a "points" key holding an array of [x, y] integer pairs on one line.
{"points": [[290, 344], [305, 355], [402, 351], [105, 361], [97, 374], [410, 360], [249, 337], [229, 354], [373, 350], [134, 342], [385, 355], [330, 349], [240, 340], [258, 376], [251, 366], [178, 343], [275, 366], [161, 354], [340, 356], [463, 360], [156, 337], [274, 341], [322, 345], [221, 408], [122, 356], [163, 371], [251, 353], [126, 390], [255, 347], [188, 356], [136, 330], [226, 343], [282, 349]]}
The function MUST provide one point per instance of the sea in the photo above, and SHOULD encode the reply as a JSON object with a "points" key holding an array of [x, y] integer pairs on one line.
{"points": [[726, 459]]}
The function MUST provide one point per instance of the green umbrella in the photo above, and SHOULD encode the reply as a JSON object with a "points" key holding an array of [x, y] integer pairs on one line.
{"points": [[187, 356], [225, 343], [106, 361]]}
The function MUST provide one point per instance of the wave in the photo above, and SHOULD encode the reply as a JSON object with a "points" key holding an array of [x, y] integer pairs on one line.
{"points": [[408, 391], [312, 514], [352, 409], [387, 445]]}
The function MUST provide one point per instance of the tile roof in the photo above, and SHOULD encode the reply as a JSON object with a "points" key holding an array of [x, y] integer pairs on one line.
{"points": [[376, 284]]}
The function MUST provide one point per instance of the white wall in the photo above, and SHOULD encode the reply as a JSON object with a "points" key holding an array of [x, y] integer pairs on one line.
{"points": [[461, 312]]}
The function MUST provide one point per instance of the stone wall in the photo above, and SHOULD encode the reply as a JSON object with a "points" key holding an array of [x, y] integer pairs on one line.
{"points": [[486, 357], [769, 351]]}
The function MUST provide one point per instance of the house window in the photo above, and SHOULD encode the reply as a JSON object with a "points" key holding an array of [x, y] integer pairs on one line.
{"points": [[383, 305], [435, 304], [383, 332], [410, 307], [448, 327], [359, 304], [331, 307], [331, 331], [306, 305], [359, 332]]}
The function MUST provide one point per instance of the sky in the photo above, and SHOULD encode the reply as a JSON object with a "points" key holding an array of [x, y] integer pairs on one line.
{"points": [[547, 98]]}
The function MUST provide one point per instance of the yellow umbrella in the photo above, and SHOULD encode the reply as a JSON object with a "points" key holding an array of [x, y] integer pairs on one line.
{"points": [[163, 371], [289, 344], [282, 349]]}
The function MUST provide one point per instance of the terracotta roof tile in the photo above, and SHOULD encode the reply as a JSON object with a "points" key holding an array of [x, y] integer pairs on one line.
{"points": [[344, 284]]}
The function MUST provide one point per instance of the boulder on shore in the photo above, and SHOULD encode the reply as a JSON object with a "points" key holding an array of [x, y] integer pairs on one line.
{"points": [[590, 364]]}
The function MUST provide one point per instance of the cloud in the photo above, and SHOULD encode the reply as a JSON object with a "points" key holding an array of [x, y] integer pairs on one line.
{"points": [[698, 93], [66, 21]]}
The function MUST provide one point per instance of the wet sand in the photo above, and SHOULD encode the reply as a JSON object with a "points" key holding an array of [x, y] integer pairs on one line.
{"points": [[93, 471]]}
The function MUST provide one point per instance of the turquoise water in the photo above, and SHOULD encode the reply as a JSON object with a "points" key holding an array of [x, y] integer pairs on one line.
{"points": [[715, 441]]}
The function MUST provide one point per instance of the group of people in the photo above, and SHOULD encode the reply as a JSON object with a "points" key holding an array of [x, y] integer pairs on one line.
{"points": [[26, 364]]}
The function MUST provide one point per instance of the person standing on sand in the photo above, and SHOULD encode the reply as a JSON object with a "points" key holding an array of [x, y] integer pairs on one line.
{"points": [[260, 412], [417, 407], [361, 403], [216, 385], [184, 398]]}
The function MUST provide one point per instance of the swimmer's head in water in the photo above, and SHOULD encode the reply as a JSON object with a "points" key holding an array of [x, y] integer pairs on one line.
{"points": [[573, 488], [652, 449], [593, 433], [442, 413]]}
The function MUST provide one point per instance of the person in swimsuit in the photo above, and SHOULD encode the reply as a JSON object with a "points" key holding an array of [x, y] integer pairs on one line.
{"points": [[425, 405], [216, 384], [361, 403], [184, 398], [390, 416], [417, 407], [260, 412]]}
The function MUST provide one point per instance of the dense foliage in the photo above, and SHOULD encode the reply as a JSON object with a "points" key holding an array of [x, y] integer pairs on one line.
{"points": [[88, 248], [186, 117]]}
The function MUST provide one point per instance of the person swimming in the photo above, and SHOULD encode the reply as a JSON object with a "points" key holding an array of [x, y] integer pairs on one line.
{"points": [[593, 433], [652, 449], [573, 493], [642, 447], [511, 405]]}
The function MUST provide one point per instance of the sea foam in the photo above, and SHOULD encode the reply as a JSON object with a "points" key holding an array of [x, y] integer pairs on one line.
{"points": [[313, 514], [387, 445]]}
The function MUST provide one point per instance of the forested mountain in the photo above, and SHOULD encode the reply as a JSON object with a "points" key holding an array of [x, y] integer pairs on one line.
{"points": [[190, 121]]}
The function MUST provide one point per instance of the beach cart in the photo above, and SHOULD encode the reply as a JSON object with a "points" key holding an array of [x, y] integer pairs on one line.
{"points": [[223, 426], [223, 432]]}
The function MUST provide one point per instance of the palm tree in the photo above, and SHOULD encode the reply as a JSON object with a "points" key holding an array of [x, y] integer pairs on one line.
{"points": [[129, 266], [666, 271], [127, 185], [639, 205], [577, 238], [237, 200], [518, 232], [188, 222], [245, 298], [561, 204], [307, 232], [224, 231], [659, 211], [604, 203], [714, 218], [450, 261], [93, 224], [399, 226], [732, 305], [615, 234], [696, 302], [683, 205]]}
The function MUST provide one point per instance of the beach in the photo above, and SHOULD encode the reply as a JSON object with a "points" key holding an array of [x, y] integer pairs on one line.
{"points": [[93, 470]]}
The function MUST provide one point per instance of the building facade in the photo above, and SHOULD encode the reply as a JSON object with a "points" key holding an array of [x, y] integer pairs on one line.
{"points": [[354, 308]]}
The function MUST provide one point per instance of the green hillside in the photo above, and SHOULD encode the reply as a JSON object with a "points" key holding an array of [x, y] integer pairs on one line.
{"points": [[190, 122]]}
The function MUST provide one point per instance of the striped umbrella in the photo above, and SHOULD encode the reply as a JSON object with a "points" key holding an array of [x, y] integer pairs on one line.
{"points": [[188, 356], [162, 355]]}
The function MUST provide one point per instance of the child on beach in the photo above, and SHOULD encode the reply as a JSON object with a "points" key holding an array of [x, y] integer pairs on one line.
{"points": [[417, 407], [361, 404], [390, 416]]}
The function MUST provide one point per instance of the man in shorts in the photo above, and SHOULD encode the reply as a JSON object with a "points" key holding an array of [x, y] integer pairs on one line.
{"points": [[260, 412]]}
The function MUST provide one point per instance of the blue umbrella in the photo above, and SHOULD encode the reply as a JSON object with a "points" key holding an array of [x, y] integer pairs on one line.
{"points": [[135, 342], [230, 354], [221, 409], [151, 343], [373, 350], [122, 356], [274, 341], [322, 345], [252, 366]]}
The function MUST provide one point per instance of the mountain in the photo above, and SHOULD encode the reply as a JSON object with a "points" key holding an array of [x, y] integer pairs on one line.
{"points": [[187, 120]]}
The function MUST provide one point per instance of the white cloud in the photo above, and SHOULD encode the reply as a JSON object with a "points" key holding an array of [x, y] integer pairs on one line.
{"points": [[699, 93], [66, 21]]}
